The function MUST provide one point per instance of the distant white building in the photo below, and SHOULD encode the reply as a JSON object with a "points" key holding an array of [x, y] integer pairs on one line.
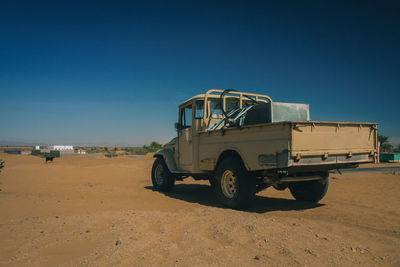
{"points": [[62, 148]]}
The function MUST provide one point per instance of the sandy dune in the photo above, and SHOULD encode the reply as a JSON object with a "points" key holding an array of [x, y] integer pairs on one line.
{"points": [[81, 211]]}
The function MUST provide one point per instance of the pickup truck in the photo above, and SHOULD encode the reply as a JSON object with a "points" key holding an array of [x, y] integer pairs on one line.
{"points": [[244, 143]]}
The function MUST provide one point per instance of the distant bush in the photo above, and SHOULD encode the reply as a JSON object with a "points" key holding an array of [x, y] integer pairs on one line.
{"points": [[134, 150], [385, 144], [153, 147], [95, 149]]}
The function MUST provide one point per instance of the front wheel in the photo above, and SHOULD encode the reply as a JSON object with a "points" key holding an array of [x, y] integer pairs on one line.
{"points": [[312, 191], [234, 186], [161, 177], [211, 179]]}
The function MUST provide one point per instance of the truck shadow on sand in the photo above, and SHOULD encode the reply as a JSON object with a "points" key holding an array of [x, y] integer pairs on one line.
{"points": [[204, 195]]}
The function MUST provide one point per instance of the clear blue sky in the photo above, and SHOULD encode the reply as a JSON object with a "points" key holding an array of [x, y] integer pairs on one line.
{"points": [[94, 72]]}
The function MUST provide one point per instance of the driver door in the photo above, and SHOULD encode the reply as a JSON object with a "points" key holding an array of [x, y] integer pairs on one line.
{"points": [[185, 146]]}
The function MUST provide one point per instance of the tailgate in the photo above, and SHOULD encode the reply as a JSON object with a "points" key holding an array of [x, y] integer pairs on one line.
{"points": [[316, 143]]}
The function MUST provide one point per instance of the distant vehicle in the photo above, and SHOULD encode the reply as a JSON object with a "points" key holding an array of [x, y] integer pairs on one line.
{"points": [[244, 143]]}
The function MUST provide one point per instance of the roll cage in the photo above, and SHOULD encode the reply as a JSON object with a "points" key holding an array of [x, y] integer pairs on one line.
{"points": [[233, 117]]}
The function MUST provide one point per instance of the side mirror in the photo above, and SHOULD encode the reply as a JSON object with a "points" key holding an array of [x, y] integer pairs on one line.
{"points": [[178, 126]]}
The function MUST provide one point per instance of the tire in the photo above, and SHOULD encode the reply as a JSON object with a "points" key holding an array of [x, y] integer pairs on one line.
{"points": [[211, 179], [161, 177], [312, 191], [234, 186]]}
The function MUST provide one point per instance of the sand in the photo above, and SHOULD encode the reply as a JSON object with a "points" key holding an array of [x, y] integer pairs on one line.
{"points": [[102, 212]]}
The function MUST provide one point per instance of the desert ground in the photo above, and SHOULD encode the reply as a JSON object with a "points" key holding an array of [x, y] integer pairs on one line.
{"points": [[103, 211]]}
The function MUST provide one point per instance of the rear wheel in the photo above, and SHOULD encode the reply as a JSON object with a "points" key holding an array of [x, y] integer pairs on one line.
{"points": [[234, 186], [162, 178], [312, 191]]}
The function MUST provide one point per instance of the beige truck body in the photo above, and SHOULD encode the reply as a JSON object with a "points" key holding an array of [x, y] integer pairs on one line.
{"points": [[292, 146]]}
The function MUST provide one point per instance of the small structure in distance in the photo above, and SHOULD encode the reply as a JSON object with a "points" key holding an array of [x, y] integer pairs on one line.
{"points": [[62, 148]]}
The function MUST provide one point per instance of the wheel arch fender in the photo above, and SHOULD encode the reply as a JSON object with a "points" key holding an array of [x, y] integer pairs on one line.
{"points": [[168, 156], [230, 152]]}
